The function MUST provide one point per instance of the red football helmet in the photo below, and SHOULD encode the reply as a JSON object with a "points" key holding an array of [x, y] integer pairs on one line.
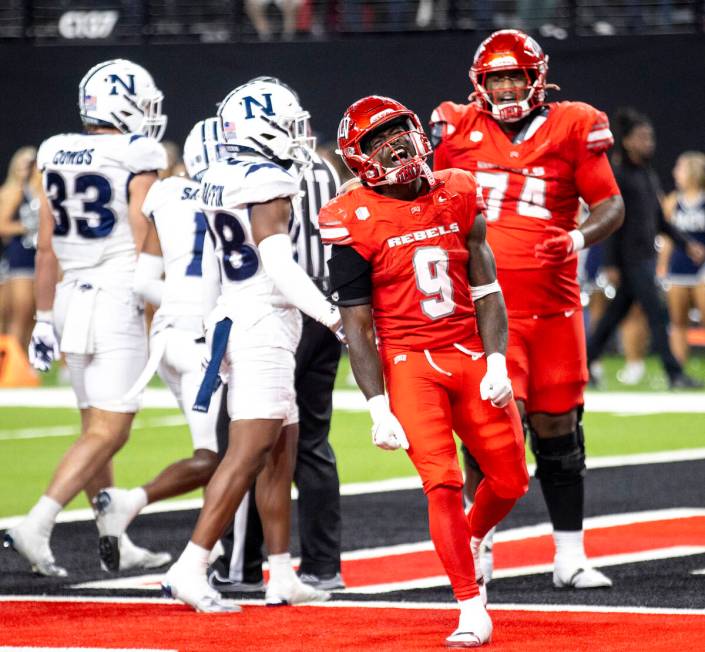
{"points": [[510, 49], [368, 115]]}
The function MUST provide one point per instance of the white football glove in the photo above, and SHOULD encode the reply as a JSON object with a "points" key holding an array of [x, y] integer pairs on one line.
{"points": [[496, 386], [387, 432], [335, 323], [44, 346]]}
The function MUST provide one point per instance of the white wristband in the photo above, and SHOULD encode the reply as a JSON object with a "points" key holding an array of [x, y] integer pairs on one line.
{"points": [[496, 363], [44, 315], [576, 235], [378, 407], [479, 291]]}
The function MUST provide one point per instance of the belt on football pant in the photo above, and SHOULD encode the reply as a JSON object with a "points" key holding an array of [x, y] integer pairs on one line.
{"points": [[211, 379]]}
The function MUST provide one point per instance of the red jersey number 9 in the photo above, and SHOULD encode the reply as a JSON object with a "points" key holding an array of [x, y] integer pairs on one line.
{"points": [[431, 270]]}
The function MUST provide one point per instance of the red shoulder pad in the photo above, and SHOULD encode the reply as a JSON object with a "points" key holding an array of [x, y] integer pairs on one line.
{"points": [[331, 224], [447, 116], [590, 126]]}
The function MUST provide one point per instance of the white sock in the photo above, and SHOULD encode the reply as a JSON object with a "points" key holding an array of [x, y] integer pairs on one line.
{"points": [[470, 607], [569, 544], [195, 557], [138, 500], [280, 566], [44, 513]]}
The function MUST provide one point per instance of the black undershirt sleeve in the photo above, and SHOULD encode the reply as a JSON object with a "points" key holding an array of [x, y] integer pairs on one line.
{"points": [[350, 277]]}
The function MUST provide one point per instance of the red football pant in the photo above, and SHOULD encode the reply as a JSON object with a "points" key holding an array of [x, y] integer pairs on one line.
{"points": [[433, 394], [547, 361]]}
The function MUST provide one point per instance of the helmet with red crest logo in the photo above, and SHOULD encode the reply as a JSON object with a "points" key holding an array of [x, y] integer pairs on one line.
{"points": [[509, 50], [370, 115]]}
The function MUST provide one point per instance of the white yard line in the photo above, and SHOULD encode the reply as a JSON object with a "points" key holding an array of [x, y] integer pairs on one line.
{"points": [[40, 432], [622, 403]]}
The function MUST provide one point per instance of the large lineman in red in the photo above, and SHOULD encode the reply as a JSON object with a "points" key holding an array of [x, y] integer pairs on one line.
{"points": [[534, 162], [411, 269]]}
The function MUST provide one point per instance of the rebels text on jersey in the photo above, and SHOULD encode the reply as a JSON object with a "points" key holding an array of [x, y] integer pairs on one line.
{"points": [[419, 260], [228, 190], [86, 179], [529, 185], [172, 204]]}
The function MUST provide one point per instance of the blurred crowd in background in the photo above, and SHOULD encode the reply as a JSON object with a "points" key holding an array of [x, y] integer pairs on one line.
{"points": [[227, 20]]}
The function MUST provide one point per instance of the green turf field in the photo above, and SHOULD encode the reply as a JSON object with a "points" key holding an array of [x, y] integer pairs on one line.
{"points": [[28, 458]]}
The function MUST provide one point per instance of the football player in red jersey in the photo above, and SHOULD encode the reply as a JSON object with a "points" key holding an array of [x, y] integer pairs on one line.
{"points": [[534, 160], [410, 265]]}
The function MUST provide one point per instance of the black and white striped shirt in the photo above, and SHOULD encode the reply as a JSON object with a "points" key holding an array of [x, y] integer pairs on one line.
{"points": [[319, 185]]}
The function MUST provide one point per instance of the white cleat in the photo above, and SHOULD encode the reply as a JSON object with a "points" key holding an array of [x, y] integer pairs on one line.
{"points": [[474, 626], [193, 589], [579, 576], [112, 516], [134, 557], [292, 591], [34, 547]]}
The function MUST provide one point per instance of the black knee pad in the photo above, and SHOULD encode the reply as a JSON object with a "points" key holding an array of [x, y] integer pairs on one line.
{"points": [[559, 460]]}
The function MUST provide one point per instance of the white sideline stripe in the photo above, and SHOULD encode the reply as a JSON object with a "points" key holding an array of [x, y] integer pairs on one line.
{"points": [[521, 571], [623, 403], [148, 582], [86, 649], [84, 598], [379, 604], [700, 571], [151, 582], [40, 432]]}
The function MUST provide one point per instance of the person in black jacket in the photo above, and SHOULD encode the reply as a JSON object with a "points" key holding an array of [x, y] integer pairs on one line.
{"points": [[630, 253]]}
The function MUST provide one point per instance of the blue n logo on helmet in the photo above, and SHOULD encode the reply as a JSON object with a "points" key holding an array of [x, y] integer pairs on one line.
{"points": [[129, 87], [266, 108]]}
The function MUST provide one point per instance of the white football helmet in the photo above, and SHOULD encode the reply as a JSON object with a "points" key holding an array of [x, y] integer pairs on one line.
{"points": [[201, 146], [122, 94], [264, 116]]}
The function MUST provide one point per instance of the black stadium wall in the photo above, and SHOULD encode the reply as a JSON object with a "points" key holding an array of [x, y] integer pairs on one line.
{"points": [[663, 76]]}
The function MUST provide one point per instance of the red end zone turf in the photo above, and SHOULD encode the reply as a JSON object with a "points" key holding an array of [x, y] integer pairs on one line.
{"points": [[154, 626]]}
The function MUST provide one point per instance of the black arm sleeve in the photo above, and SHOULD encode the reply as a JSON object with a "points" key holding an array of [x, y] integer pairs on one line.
{"points": [[350, 277]]}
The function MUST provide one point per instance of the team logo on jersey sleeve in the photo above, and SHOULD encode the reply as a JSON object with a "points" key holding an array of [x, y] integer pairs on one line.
{"points": [[362, 213]]}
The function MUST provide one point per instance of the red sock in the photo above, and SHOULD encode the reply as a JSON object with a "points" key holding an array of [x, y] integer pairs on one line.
{"points": [[488, 509], [451, 538]]}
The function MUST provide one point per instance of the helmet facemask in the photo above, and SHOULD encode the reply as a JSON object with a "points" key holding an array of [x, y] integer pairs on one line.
{"points": [[289, 139], [401, 158], [524, 98]]}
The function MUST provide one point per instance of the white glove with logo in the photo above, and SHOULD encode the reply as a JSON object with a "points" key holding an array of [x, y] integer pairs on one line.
{"points": [[44, 346], [387, 432], [496, 386], [335, 323]]}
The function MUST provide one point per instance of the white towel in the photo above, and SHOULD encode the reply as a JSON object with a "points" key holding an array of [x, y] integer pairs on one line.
{"points": [[77, 334]]}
